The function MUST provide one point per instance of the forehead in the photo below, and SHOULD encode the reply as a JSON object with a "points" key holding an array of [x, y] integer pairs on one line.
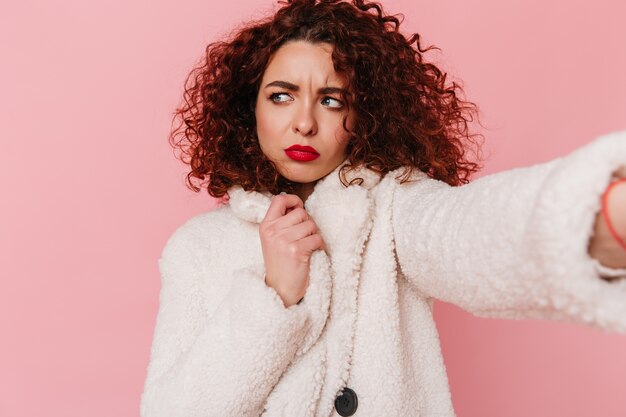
{"points": [[303, 61]]}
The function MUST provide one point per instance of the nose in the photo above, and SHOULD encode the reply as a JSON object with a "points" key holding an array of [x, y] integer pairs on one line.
{"points": [[304, 121]]}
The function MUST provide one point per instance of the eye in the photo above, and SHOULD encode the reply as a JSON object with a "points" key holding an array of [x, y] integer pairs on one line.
{"points": [[338, 104], [273, 97]]}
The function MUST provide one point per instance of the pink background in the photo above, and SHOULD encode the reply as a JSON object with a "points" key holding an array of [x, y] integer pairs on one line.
{"points": [[91, 190]]}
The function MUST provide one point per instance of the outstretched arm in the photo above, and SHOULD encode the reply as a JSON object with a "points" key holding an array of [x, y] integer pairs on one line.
{"points": [[515, 244]]}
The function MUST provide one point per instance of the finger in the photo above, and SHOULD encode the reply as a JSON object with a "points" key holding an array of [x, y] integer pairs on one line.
{"points": [[279, 205], [296, 216], [299, 231], [312, 243]]}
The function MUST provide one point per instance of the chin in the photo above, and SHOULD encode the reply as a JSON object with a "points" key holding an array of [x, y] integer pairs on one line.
{"points": [[301, 179], [297, 171], [304, 176]]}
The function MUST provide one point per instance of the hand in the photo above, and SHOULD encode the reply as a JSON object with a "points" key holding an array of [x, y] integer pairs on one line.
{"points": [[617, 207], [288, 238], [604, 246]]}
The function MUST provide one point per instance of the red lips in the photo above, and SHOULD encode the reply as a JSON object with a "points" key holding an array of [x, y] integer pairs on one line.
{"points": [[302, 153], [303, 149]]}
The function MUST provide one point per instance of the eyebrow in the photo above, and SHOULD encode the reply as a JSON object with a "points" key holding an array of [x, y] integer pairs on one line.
{"points": [[293, 87]]}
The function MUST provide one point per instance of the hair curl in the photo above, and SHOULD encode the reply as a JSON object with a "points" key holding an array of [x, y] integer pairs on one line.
{"points": [[405, 113]]}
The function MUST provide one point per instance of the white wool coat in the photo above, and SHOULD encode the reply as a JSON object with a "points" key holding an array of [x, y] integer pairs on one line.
{"points": [[508, 245]]}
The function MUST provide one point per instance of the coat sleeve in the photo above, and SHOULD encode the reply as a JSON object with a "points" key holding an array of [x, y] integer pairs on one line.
{"points": [[215, 360], [515, 244]]}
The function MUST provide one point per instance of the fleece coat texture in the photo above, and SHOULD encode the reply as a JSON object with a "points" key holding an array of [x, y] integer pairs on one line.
{"points": [[509, 245]]}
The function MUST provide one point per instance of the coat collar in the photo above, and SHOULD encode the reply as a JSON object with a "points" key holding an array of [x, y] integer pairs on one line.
{"points": [[252, 205]]}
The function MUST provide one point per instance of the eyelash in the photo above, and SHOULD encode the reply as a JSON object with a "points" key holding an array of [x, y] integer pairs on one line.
{"points": [[274, 95]]}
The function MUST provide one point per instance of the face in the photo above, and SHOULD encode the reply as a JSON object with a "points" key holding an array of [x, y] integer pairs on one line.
{"points": [[299, 104]]}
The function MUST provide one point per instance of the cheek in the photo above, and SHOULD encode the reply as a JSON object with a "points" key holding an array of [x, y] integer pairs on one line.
{"points": [[340, 133], [351, 120], [268, 121], [261, 119]]}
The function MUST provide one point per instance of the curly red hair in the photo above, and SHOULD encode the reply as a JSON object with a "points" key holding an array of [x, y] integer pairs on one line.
{"points": [[406, 115]]}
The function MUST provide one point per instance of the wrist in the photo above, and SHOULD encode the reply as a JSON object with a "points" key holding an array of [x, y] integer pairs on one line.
{"points": [[607, 244], [288, 301], [614, 213]]}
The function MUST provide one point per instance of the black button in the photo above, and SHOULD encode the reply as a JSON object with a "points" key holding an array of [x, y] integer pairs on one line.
{"points": [[346, 403]]}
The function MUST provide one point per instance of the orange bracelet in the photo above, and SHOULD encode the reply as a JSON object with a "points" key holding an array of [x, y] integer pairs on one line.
{"points": [[605, 212]]}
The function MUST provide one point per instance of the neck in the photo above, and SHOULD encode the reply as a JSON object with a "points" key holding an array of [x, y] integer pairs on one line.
{"points": [[305, 191]]}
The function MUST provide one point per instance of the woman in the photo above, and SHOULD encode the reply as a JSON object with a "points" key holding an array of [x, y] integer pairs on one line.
{"points": [[342, 156]]}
